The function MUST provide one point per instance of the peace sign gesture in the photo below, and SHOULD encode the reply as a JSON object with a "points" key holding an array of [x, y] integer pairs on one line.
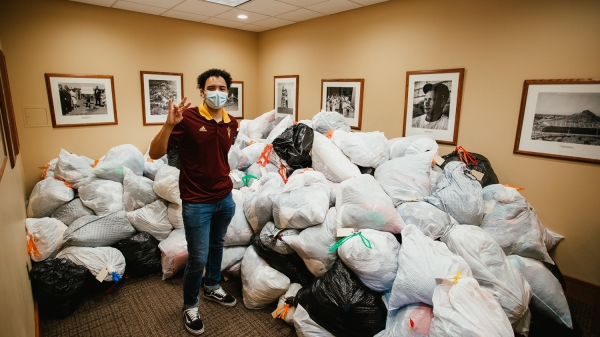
{"points": [[176, 111]]}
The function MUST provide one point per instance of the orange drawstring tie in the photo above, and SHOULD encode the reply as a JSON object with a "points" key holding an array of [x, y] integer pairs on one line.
{"points": [[45, 171], [329, 133], [96, 161], [283, 173], [282, 312], [31, 248], [465, 156], [263, 160], [64, 181]]}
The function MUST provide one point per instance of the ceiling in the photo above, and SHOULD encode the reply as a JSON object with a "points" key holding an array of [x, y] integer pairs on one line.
{"points": [[261, 14]]}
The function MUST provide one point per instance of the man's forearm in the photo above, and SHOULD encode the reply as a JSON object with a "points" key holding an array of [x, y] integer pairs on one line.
{"points": [[158, 147]]}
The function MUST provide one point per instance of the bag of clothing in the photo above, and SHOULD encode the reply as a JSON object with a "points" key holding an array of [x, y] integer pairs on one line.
{"points": [[44, 236], [261, 284], [366, 149], [413, 320], [283, 124], [254, 172], [239, 231], [96, 260], [406, 179], [175, 214], [153, 219], [47, 196], [291, 265], [237, 159], [303, 202], [166, 184], [551, 239], [460, 193], [411, 145], [373, 256], [49, 169], [72, 169], [142, 256], [255, 128], [272, 238], [236, 178], [513, 223], [294, 145], [305, 326], [253, 152], [331, 161], [258, 205], [232, 256], [284, 310], [174, 253], [429, 219], [137, 191], [58, 286], [71, 211], [95, 231], [493, 271], [420, 262], [333, 188], [118, 157], [313, 243], [102, 196], [270, 126], [473, 161], [329, 120], [151, 166], [361, 203]]}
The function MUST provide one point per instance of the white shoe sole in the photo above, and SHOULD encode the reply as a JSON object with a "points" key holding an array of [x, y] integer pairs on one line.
{"points": [[194, 332], [221, 303]]}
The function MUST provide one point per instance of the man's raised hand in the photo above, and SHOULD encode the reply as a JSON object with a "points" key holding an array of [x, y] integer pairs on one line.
{"points": [[176, 111]]}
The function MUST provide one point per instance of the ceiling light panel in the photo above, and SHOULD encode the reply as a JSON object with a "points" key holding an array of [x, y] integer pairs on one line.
{"points": [[230, 3]]}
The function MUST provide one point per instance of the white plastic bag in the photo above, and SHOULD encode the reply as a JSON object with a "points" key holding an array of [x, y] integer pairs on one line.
{"points": [[255, 128], [49, 169], [261, 284], [460, 193], [305, 326], [406, 179], [278, 129], [166, 184], [153, 219], [333, 187], [420, 262], [73, 169], [253, 152], [258, 205], [236, 178], [548, 296], [96, 259], [366, 149], [513, 223], [413, 320], [328, 120], [151, 166], [237, 159], [373, 257], [102, 196], [551, 239], [94, 231], [313, 243], [256, 170], [232, 256], [137, 191], [462, 308], [111, 166], [362, 203], [174, 253], [239, 231], [175, 214], [411, 145], [47, 196], [289, 316], [331, 161], [429, 219], [44, 236], [303, 202], [272, 238]]}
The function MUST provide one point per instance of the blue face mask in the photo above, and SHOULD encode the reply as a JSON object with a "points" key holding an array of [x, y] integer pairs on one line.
{"points": [[215, 99]]}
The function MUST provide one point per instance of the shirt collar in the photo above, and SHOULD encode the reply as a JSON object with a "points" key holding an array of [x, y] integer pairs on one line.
{"points": [[204, 113]]}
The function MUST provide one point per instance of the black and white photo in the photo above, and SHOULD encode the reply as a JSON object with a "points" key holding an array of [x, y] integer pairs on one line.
{"points": [[432, 105], [157, 89], [77, 100], [560, 118], [286, 96], [345, 98], [235, 100]]}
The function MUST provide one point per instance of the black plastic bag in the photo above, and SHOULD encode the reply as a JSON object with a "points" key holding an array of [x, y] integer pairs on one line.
{"points": [[291, 265], [483, 165], [294, 145], [142, 256], [367, 170], [342, 305], [58, 286]]}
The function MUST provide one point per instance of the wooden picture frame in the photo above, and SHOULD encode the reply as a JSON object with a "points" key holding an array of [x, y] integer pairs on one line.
{"points": [[286, 96], [344, 96], [157, 89], [235, 100], [432, 104], [5, 121], [4, 155], [560, 119], [16, 146]]}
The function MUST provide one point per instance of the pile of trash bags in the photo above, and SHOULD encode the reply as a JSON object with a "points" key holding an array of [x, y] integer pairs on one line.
{"points": [[351, 234]]}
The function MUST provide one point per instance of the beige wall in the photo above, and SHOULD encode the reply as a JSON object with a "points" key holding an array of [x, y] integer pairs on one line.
{"points": [[16, 301], [500, 44], [58, 36]]}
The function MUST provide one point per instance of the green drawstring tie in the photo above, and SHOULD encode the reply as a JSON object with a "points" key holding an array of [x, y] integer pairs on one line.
{"points": [[246, 179], [364, 240]]}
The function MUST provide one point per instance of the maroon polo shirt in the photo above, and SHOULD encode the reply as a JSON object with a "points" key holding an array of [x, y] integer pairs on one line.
{"points": [[203, 147]]}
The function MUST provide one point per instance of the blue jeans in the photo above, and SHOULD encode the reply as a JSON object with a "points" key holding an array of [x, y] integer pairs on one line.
{"points": [[205, 228]]}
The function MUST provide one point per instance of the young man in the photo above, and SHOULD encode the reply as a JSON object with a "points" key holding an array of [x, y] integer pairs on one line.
{"points": [[203, 136]]}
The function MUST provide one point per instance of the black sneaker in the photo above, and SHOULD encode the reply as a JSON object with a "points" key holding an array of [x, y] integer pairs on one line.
{"points": [[193, 322], [220, 296]]}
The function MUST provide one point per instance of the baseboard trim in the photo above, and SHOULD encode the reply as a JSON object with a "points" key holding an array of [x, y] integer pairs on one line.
{"points": [[37, 319], [587, 293]]}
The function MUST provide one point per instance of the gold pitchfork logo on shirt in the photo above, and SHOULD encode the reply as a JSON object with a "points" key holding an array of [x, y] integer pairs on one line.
{"points": [[228, 132]]}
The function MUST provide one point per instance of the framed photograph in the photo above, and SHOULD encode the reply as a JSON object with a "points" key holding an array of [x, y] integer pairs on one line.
{"points": [[286, 96], [4, 153], [344, 97], [560, 119], [7, 105], [80, 100], [235, 100], [432, 104], [157, 89]]}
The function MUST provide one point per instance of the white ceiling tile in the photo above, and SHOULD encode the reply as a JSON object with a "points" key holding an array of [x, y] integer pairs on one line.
{"points": [[253, 28], [105, 3], [185, 16], [131, 6], [300, 15], [368, 2], [201, 7], [158, 3], [221, 22], [334, 6], [273, 22], [302, 3], [267, 7], [232, 15]]}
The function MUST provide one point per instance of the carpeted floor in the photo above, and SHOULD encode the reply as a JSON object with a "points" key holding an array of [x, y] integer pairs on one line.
{"points": [[151, 307]]}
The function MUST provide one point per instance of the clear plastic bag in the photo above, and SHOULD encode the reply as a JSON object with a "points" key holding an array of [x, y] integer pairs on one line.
{"points": [[44, 236], [102, 196], [166, 184], [174, 253], [429, 219], [137, 191], [411, 145], [239, 231], [152, 218], [406, 179], [73, 169], [47, 196], [261, 284], [96, 259], [331, 161], [327, 120], [367, 149], [111, 166], [258, 205], [413, 320]]}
